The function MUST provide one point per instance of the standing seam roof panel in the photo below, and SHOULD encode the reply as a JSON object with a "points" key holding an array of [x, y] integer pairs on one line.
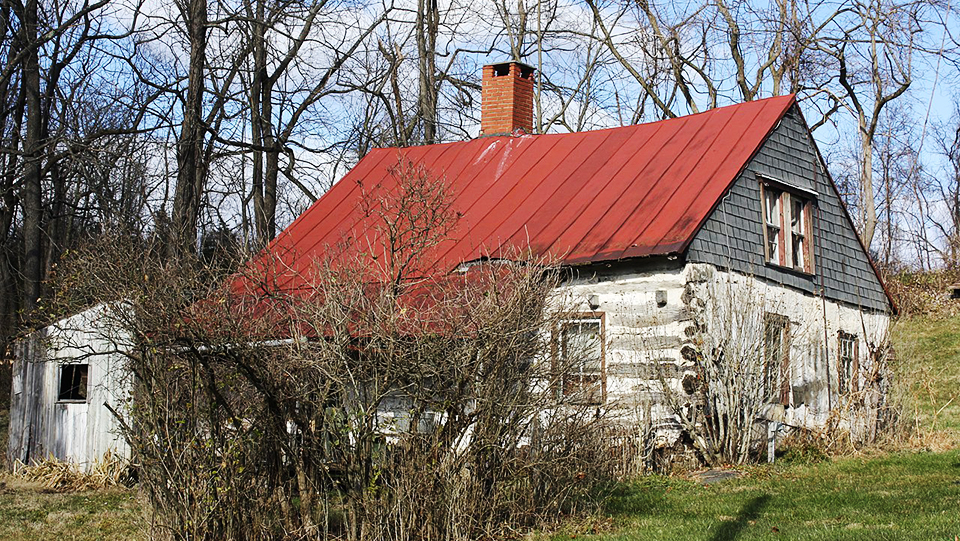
{"points": [[593, 176], [571, 239], [594, 196], [643, 183], [485, 210], [552, 177], [663, 210], [729, 167]]}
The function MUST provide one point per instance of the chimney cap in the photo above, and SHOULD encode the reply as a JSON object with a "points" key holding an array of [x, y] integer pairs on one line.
{"points": [[526, 70]]}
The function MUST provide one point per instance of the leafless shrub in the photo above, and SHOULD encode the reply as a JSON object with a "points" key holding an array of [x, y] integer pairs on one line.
{"points": [[735, 368], [381, 401], [741, 355], [924, 293], [733, 384]]}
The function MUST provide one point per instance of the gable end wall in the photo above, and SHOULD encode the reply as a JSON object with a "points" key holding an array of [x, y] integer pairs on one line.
{"points": [[732, 237]]}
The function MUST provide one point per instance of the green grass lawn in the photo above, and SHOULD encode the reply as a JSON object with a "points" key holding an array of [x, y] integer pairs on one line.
{"points": [[928, 365], [899, 496], [28, 512]]}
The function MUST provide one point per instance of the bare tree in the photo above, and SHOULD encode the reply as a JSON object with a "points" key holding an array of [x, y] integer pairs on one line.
{"points": [[277, 105], [875, 57], [191, 167], [42, 80], [946, 188]]}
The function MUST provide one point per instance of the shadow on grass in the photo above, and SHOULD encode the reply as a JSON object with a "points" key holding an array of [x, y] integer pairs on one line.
{"points": [[729, 530]]}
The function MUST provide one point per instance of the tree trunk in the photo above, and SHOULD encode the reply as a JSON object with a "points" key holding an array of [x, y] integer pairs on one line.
{"points": [[256, 121], [191, 169], [32, 150], [428, 23], [9, 293], [868, 210], [266, 154]]}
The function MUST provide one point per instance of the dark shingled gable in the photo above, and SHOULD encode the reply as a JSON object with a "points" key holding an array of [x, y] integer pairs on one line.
{"points": [[732, 237]]}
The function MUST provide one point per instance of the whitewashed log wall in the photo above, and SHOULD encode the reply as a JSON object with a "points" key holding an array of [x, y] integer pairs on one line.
{"points": [[649, 329], [646, 341]]}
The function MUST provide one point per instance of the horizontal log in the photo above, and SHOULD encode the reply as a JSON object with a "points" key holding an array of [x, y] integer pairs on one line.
{"points": [[636, 342]]}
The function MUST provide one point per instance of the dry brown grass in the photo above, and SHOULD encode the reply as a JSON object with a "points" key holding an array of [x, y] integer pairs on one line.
{"points": [[924, 293], [110, 471]]}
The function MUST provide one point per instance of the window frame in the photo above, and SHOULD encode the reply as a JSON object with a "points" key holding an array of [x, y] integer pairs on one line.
{"points": [[783, 226], [581, 390], [77, 383], [780, 380], [848, 376]]}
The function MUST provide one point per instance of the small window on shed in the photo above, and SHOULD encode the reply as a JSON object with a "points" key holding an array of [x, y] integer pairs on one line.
{"points": [[73, 382]]}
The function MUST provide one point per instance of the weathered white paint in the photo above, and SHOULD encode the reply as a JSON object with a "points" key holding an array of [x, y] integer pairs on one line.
{"points": [[644, 342], [80, 432]]}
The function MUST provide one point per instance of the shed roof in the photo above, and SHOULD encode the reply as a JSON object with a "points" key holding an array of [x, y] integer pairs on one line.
{"points": [[584, 197]]}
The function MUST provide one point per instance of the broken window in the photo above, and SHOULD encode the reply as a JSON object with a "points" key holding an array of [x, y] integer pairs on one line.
{"points": [[776, 362], [847, 363], [787, 223], [73, 382], [581, 362]]}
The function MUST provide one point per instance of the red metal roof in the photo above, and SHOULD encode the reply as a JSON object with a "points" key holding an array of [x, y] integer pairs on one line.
{"points": [[578, 197]]}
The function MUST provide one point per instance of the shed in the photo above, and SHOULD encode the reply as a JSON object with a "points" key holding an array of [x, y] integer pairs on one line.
{"points": [[68, 382]]}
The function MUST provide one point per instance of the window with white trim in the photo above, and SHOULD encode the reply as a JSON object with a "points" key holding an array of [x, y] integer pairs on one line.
{"points": [[787, 224]]}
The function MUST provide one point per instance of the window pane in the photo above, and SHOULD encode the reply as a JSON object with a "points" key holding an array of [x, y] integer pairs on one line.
{"points": [[798, 251], [772, 207], [775, 357], [773, 243], [73, 382], [846, 362], [582, 359], [582, 346], [796, 216]]}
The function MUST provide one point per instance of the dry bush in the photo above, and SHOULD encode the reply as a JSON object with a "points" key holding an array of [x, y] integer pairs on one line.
{"points": [[371, 401], [742, 381], [924, 293], [735, 380]]}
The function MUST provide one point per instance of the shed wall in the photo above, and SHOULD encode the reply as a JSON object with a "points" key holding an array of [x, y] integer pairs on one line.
{"points": [[41, 425]]}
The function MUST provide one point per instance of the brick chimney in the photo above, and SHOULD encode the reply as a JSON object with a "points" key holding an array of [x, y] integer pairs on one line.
{"points": [[507, 98]]}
